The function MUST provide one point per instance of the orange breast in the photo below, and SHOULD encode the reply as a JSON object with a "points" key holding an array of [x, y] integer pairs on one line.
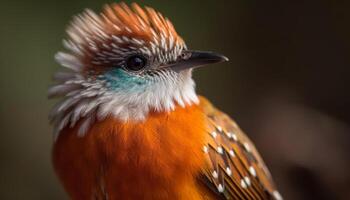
{"points": [[154, 159]]}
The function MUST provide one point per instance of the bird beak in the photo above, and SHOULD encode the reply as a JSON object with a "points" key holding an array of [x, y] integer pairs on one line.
{"points": [[195, 59]]}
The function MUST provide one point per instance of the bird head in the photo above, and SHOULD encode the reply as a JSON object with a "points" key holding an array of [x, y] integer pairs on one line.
{"points": [[126, 62]]}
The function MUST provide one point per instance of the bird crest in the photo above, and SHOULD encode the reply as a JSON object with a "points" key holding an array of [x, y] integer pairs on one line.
{"points": [[100, 40]]}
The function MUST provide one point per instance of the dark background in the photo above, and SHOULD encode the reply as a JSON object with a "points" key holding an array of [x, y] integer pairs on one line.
{"points": [[287, 85]]}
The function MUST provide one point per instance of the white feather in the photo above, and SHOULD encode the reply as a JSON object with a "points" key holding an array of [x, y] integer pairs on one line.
{"points": [[64, 76], [60, 90], [69, 61], [85, 126]]}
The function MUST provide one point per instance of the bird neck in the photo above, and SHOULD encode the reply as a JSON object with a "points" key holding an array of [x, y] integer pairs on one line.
{"points": [[94, 99]]}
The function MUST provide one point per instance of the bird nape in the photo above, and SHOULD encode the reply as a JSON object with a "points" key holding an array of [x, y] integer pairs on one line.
{"points": [[130, 124]]}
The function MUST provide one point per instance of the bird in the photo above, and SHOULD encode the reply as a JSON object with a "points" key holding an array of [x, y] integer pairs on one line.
{"points": [[129, 124]]}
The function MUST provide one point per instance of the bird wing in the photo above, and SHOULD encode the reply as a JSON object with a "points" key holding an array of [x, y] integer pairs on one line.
{"points": [[234, 169]]}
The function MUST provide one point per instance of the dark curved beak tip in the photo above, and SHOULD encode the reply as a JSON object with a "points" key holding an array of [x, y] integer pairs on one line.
{"points": [[207, 57]]}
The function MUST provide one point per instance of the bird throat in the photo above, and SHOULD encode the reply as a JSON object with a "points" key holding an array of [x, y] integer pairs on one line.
{"points": [[119, 95]]}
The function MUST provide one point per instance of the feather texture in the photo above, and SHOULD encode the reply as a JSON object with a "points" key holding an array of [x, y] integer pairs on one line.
{"points": [[103, 39], [234, 168]]}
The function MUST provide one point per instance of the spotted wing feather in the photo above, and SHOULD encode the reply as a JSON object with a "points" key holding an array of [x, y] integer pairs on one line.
{"points": [[234, 169]]}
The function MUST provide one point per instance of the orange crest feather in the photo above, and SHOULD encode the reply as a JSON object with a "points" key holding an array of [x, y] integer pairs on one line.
{"points": [[118, 31]]}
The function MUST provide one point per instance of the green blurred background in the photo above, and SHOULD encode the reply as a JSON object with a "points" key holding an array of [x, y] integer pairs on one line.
{"points": [[287, 85]]}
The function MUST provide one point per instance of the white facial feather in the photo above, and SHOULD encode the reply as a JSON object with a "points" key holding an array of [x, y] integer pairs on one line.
{"points": [[85, 98]]}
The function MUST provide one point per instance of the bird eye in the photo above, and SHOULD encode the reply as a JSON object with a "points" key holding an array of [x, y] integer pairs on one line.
{"points": [[135, 63]]}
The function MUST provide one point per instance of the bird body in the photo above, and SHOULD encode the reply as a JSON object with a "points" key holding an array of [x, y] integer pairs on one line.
{"points": [[134, 160], [130, 124]]}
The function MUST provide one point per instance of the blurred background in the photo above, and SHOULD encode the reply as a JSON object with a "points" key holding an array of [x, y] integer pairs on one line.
{"points": [[287, 85]]}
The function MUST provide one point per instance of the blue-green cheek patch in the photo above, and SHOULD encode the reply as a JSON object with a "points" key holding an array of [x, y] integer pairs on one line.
{"points": [[119, 80]]}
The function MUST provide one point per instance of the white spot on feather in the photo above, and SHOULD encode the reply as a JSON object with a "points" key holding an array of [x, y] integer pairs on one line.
{"points": [[214, 134], [246, 146], [221, 188], [215, 174], [232, 136], [219, 128], [252, 171], [220, 150], [277, 195], [205, 149], [243, 184], [232, 153], [228, 171], [247, 180]]}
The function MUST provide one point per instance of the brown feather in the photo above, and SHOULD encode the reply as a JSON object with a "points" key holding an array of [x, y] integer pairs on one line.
{"points": [[234, 168]]}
